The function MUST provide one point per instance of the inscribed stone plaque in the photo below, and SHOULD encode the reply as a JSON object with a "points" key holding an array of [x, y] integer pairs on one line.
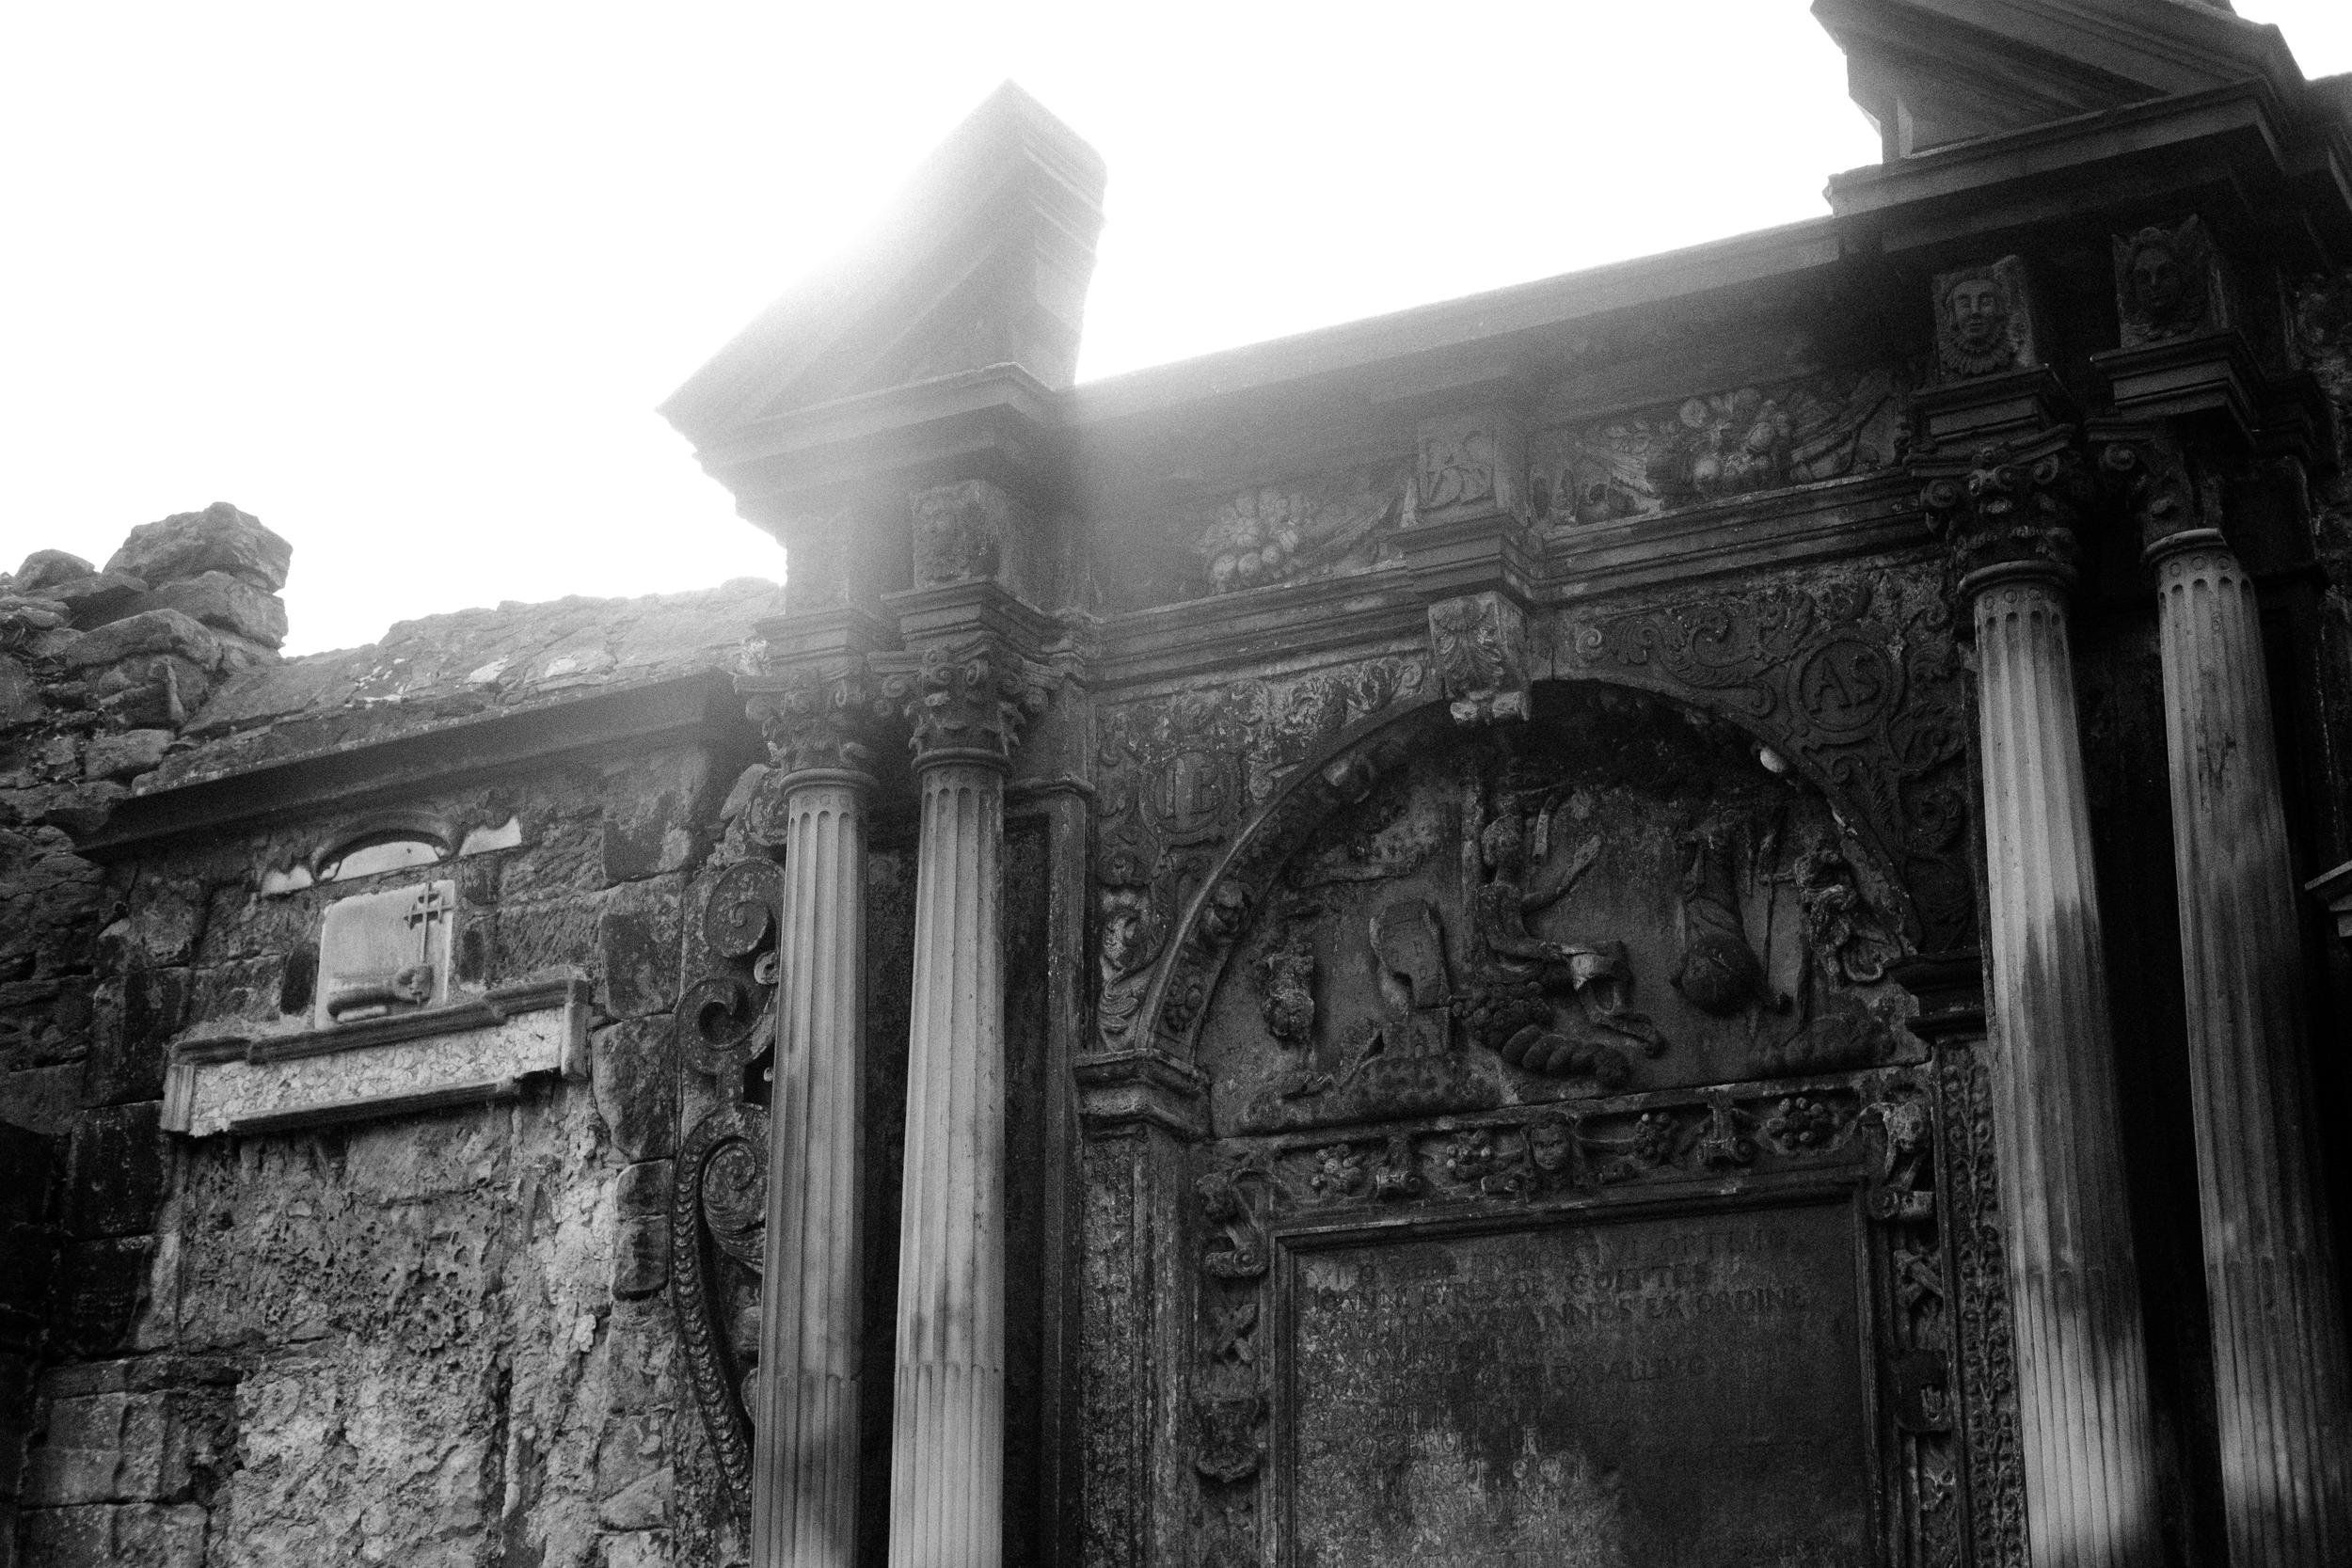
{"points": [[1683, 1392]]}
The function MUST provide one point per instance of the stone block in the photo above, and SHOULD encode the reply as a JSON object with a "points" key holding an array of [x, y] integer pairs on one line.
{"points": [[133, 1444], [100, 1288], [124, 754], [635, 1087], [641, 1257], [44, 567], [637, 940], [115, 1172], [99, 598], [134, 1019], [220, 538], [149, 632], [642, 1548], [21, 700], [116, 1535], [81, 809], [643, 1190], [634, 1476], [225, 603]]}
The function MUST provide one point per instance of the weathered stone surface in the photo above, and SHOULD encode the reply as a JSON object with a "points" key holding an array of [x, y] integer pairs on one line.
{"points": [[637, 937], [107, 1535], [636, 1087], [20, 695], [641, 1259], [223, 602], [114, 1172], [125, 753], [220, 538], [1600, 1352], [152, 631], [168, 1445], [135, 1016], [44, 567], [99, 597], [102, 1285]]}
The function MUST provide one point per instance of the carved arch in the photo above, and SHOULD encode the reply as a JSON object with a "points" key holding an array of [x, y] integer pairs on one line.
{"points": [[1345, 768]]}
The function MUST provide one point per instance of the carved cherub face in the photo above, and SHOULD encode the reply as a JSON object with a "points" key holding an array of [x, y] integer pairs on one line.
{"points": [[1548, 1146], [2158, 282], [1980, 316]]}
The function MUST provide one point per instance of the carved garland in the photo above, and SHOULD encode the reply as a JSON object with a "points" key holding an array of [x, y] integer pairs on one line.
{"points": [[723, 1027]]}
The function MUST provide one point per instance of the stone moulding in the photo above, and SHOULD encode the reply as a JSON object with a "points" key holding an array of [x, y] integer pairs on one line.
{"points": [[482, 1048]]}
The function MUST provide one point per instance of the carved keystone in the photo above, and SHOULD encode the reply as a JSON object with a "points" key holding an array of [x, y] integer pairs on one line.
{"points": [[1480, 644]]}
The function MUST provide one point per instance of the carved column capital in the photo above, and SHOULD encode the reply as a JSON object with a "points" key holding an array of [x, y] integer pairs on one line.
{"points": [[2172, 498], [1479, 643], [821, 715], [2012, 508], [965, 700]]}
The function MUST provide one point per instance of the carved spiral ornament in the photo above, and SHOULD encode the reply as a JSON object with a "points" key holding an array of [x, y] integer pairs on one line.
{"points": [[714, 1215], [741, 913]]}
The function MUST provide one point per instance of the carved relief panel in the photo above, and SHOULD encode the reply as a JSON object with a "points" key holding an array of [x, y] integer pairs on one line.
{"points": [[1615, 896]]}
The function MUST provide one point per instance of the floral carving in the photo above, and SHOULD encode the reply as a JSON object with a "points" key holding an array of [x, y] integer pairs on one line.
{"points": [[1277, 532], [817, 715], [1480, 646], [1718, 444]]}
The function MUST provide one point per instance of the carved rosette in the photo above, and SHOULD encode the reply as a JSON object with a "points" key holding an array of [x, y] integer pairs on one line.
{"points": [[965, 700], [2014, 505], [818, 716], [1480, 645], [724, 1029]]}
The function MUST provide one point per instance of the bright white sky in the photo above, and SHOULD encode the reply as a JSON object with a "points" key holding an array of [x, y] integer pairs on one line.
{"points": [[406, 281]]}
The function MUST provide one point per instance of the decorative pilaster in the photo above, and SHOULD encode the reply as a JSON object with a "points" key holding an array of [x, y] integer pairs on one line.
{"points": [[2073, 1292], [804, 1395], [965, 703], [2279, 1353]]}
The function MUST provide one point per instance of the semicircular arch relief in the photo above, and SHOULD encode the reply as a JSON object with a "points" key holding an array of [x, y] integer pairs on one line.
{"points": [[1626, 893]]}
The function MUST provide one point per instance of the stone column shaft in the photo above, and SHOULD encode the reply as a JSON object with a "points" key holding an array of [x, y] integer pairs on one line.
{"points": [[2074, 1298], [805, 1457], [948, 1460], [2278, 1354]]}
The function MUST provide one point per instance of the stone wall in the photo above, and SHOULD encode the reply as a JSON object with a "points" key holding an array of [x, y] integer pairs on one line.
{"points": [[432, 1338]]}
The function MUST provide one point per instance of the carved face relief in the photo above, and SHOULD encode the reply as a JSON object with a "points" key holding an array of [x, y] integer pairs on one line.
{"points": [[2162, 281], [1977, 319]]}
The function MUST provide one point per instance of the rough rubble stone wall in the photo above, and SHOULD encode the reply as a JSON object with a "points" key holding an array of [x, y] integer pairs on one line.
{"points": [[435, 1340], [432, 1340]]}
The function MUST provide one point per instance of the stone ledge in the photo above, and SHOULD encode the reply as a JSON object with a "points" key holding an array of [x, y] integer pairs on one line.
{"points": [[482, 1048]]}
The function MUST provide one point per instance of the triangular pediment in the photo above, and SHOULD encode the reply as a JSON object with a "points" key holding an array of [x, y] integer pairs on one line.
{"points": [[983, 258]]}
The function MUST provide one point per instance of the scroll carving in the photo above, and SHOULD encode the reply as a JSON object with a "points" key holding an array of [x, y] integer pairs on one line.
{"points": [[2012, 504], [1858, 680], [965, 698], [724, 1028]]}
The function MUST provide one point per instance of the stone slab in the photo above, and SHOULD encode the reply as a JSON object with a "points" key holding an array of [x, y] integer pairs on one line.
{"points": [[1669, 1389], [476, 1049]]}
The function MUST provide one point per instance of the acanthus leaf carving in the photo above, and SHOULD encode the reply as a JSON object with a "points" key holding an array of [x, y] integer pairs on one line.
{"points": [[2010, 504], [820, 714], [1478, 645], [969, 697]]}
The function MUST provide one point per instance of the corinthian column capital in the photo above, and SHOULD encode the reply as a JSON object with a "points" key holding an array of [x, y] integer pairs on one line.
{"points": [[967, 700], [2173, 498], [2012, 505], [818, 716]]}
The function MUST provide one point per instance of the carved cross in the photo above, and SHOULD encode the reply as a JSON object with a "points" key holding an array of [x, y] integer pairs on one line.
{"points": [[430, 905]]}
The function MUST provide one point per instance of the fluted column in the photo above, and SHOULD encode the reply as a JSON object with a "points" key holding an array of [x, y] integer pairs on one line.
{"points": [[804, 1393], [2279, 1353], [2008, 514], [2073, 1292], [948, 1443]]}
